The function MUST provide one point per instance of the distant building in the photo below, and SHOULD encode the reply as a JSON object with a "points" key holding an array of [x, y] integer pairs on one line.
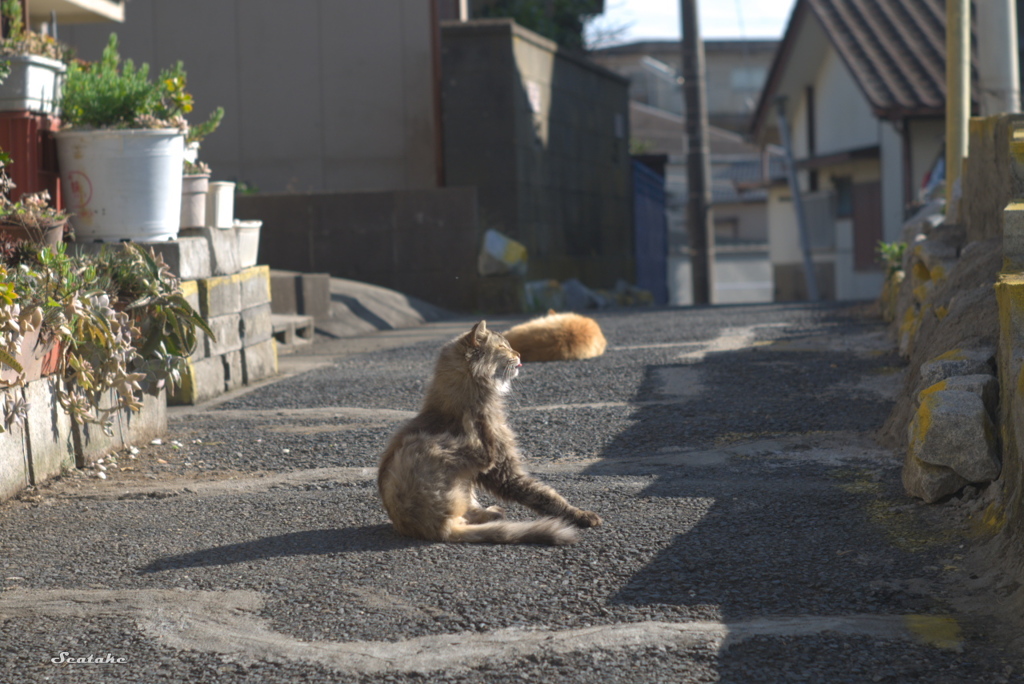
{"points": [[864, 89], [736, 72]]}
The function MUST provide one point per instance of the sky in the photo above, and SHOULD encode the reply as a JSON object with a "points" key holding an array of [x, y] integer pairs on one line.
{"points": [[659, 19]]}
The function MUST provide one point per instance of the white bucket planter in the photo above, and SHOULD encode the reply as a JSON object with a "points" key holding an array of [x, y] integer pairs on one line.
{"points": [[122, 184], [248, 242], [220, 205], [34, 84], [193, 200]]}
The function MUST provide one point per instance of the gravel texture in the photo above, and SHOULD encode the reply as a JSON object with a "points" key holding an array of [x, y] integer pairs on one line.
{"points": [[778, 531]]}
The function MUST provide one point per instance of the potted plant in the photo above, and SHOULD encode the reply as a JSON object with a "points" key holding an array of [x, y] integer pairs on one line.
{"points": [[119, 321], [30, 217], [34, 65], [195, 181], [122, 151]]}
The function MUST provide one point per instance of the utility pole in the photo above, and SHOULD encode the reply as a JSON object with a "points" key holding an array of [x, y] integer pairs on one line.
{"points": [[700, 222], [798, 202], [958, 91], [998, 64]]}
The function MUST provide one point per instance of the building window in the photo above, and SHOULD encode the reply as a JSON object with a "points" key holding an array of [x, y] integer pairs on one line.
{"points": [[844, 196], [747, 78]]}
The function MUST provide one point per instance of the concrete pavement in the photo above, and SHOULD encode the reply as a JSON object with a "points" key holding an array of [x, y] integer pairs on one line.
{"points": [[754, 531]]}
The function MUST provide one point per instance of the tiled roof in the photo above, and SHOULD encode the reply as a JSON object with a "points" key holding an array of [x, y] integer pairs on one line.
{"points": [[895, 50]]}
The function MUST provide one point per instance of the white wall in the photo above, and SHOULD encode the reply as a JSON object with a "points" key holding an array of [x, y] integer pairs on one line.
{"points": [[893, 192], [319, 95], [844, 118]]}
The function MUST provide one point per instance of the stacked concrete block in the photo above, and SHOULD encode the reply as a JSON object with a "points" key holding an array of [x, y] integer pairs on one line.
{"points": [[236, 306]]}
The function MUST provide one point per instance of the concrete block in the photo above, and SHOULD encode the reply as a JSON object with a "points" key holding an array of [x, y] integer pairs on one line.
{"points": [[203, 380], [254, 283], [188, 257], [308, 294], [234, 371], [259, 361], [291, 330], [50, 441], [257, 324], [14, 460], [130, 427], [1013, 237], [952, 428], [220, 295], [227, 329], [222, 246]]}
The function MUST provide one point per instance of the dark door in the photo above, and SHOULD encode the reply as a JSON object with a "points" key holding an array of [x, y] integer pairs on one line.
{"points": [[867, 225]]}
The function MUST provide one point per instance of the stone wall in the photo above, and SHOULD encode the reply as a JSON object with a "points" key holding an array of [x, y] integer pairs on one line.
{"points": [[958, 314], [49, 442]]}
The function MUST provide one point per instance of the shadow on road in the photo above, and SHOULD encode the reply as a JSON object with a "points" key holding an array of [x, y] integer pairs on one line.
{"points": [[778, 535], [307, 543]]}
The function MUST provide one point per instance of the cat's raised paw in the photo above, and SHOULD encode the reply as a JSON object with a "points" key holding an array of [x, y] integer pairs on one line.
{"points": [[583, 518]]}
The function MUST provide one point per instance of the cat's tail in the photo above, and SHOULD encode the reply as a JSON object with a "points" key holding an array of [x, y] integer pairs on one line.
{"points": [[552, 531]]}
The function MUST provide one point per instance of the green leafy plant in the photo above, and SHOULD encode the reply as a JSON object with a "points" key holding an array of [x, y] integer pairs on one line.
{"points": [[112, 93], [20, 41], [891, 255], [123, 324], [198, 133]]}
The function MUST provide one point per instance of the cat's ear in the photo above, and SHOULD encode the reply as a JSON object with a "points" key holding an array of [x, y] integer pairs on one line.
{"points": [[551, 312], [476, 335]]}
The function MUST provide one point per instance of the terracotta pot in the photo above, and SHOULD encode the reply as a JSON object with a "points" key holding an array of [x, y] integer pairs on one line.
{"points": [[50, 235], [38, 358]]}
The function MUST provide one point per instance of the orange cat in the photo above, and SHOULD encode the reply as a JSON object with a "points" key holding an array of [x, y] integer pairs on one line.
{"points": [[557, 337]]}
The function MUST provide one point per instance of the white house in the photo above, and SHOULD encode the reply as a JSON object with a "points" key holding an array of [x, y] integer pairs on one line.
{"points": [[864, 92]]}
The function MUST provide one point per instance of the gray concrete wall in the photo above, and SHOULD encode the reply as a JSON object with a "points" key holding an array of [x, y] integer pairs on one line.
{"points": [[422, 243], [543, 135], [319, 95]]}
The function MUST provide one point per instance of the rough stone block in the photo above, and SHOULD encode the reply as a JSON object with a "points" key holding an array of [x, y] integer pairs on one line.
{"points": [[227, 329], [259, 361], [985, 386], [14, 460], [255, 286], [130, 427], [257, 325], [957, 362], [952, 428], [219, 296], [50, 440], [929, 482]]}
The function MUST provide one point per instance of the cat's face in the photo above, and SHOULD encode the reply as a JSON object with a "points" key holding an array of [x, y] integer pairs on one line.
{"points": [[492, 355]]}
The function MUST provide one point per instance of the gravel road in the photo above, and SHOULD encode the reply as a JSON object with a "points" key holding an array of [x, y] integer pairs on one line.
{"points": [[754, 531]]}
